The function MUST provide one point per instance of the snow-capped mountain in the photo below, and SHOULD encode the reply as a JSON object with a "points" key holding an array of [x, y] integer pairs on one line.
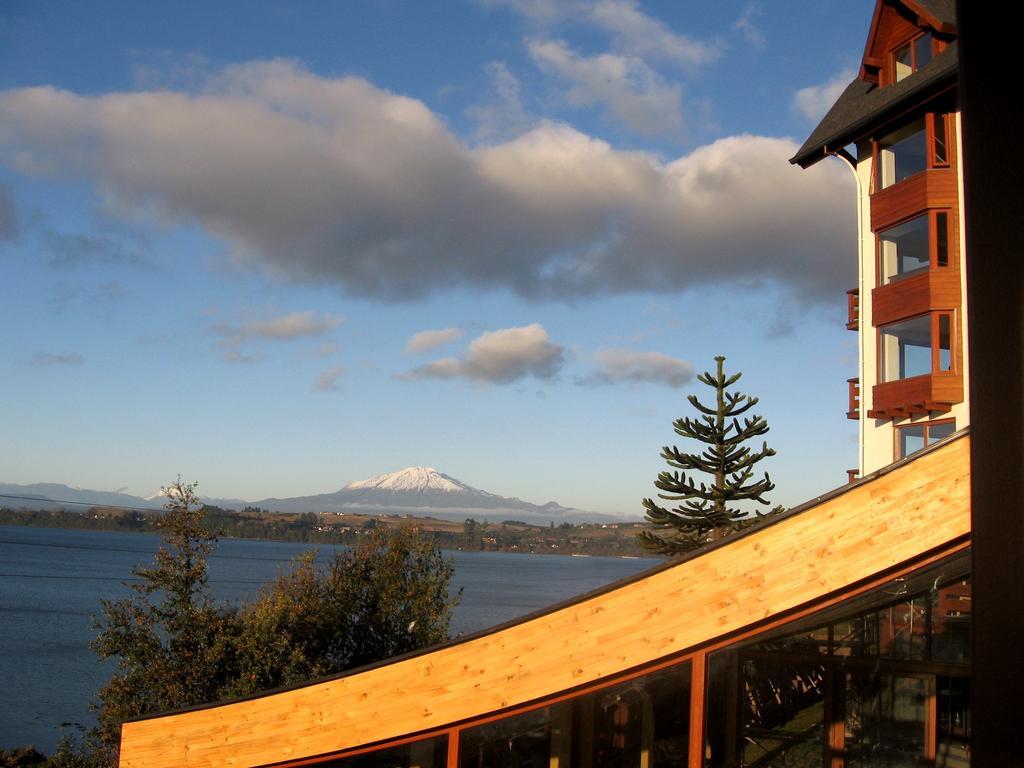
{"points": [[419, 491], [414, 479], [427, 492]]}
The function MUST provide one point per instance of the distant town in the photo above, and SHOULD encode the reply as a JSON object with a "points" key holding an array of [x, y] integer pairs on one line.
{"points": [[616, 539]]}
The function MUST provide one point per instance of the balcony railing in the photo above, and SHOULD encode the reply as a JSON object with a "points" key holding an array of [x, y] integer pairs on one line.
{"points": [[852, 309], [853, 409], [919, 395]]}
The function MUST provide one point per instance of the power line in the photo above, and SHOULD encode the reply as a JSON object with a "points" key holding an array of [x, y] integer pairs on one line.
{"points": [[82, 503]]}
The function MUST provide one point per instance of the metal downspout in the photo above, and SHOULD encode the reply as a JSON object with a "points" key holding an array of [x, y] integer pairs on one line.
{"points": [[850, 163]]}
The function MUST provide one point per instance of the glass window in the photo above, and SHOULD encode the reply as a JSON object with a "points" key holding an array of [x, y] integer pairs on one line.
{"points": [[942, 239], [911, 440], [892, 689], [903, 63], [939, 143], [913, 437], [906, 348], [887, 719], [939, 431], [903, 249], [902, 154], [428, 753], [911, 57], [945, 344], [641, 723], [922, 51]]}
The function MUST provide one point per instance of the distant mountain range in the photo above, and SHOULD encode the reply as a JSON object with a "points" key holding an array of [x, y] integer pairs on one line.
{"points": [[421, 491]]}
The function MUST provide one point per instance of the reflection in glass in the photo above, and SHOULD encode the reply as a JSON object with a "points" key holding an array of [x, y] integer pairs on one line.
{"points": [[903, 250], [911, 440], [902, 62], [922, 50], [906, 348], [884, 682], [945, 344], [641, 723], [886, 719], [784, 717], [902, 154], [942, 239], [428, 753], [941, 156], [524, 741]]}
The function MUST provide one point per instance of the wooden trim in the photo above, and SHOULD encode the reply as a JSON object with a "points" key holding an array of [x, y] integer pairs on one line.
{"points": [[931, 290], [927, 426], [454, 747], [913, 196], [698, 702], [776, 573], [345, 754], [918, 395]]}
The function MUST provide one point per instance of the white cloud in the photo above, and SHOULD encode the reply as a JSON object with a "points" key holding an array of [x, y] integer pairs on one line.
{"points": [[424, 341], [747, 25], [625, 86], [815, 100], [281, 328], [338, 181], [635, 32], [499, 357], [631, 30], [623, 365], [502, 115], [328, 380]]}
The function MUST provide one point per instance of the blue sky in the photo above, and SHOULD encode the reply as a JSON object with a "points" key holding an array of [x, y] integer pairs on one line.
{"points": [[277, 247]]}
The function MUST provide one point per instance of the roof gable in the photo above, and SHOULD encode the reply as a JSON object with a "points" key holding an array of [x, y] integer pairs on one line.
{"points": [[895, 21]]}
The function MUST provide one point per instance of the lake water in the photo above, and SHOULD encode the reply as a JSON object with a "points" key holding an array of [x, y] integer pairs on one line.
{"points": [[52, 581]]}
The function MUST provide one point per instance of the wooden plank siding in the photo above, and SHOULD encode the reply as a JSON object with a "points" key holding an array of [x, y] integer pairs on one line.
{"points": [[933, 188], [931, 289], [863, 530]]}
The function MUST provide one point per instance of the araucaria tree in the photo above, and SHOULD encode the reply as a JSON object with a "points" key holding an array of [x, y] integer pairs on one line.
{"points": [[705, 511]]}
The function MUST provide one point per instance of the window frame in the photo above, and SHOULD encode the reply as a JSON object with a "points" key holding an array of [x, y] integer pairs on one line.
{"points": [[930, 120], [935, 350], [928, 425], [933, 215], [909, 43]]}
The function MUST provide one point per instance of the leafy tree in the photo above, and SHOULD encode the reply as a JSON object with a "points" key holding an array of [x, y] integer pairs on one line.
{"points": [[171, 643], [385, 597], [175, 648], [706, 512], [394, 587]]}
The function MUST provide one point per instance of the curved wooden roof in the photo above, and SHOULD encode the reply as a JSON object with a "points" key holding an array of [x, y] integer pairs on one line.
{"points": [[883, 521]]}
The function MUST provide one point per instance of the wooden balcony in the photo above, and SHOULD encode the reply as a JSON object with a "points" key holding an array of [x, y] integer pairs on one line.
{"points": [[934, 188], [918, 395], [928, 290], [853, 409], [852, 309]]}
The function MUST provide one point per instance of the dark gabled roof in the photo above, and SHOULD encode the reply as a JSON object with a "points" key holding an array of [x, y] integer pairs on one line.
{"points": [[941, 11], [864, 106]]}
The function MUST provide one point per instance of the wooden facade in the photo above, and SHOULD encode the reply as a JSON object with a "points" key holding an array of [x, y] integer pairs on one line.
{"points": [[808, 559]]}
